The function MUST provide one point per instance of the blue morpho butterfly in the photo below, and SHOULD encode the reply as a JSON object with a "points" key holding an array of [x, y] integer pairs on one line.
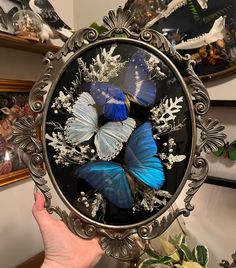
{"points": [[136, 85], [112, 179]]}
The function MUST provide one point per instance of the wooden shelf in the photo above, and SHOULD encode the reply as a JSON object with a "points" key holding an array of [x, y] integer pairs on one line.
{"points": [[12, 41]]}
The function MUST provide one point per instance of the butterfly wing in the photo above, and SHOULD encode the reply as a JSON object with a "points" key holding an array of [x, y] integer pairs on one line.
{"points": [[110, 138], [219, 152], [110, 97], [137, 82], [110, 179], [232, 151], [84, 124], [140, 159]]}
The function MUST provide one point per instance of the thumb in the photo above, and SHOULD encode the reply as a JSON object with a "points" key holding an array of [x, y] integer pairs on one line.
{"points": [[40, 213]]}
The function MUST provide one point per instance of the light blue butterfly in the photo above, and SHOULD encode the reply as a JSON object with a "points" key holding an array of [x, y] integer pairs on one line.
{"points": [[140, 163], [83, 125]]}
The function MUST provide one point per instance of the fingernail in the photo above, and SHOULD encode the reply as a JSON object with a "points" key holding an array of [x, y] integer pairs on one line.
{"points": [[35, 192]]}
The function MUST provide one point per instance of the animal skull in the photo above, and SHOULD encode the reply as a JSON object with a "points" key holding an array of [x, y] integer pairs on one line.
{"points": [[203, 3]]}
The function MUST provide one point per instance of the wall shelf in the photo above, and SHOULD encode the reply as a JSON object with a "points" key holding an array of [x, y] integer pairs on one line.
{"points": [[221, 182], [12, 41]]}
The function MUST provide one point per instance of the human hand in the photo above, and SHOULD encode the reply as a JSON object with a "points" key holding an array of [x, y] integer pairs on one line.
{"points": [[63, 249]]}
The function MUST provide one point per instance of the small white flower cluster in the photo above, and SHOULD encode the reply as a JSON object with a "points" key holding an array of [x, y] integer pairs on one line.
{"points": [[93, 204], [163, 116], [154, 69], [167, 157], [66, 154], [151, 200], [103, 67], [63, 101]]}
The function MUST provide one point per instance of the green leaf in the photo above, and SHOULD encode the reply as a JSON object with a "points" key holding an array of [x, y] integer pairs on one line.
{"points": [[177, 240], [191, 264], [147, 263], [152, 263], [165, 260], [201, 255], [170, 250], [97, 27], [187, 252], [152, 253]]}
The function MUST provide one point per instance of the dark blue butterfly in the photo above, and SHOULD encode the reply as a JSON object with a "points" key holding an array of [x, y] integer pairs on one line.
{"points": [[140, 162], [137, 87]]}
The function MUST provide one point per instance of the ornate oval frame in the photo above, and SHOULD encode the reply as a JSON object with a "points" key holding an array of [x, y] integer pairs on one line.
{"points": [[119, 241]]}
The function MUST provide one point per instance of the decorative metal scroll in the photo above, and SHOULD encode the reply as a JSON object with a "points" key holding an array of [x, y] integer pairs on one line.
{"points": [[119, 241], [226, 264]]}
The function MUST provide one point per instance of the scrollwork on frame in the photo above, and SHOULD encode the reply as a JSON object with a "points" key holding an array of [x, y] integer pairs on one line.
{"points": [[148, 232], [118, 244], [200, 94], [38, 90], [75, 42], [160, 42], [25, 134], [197, 179], [211, 135], [120, 22]]}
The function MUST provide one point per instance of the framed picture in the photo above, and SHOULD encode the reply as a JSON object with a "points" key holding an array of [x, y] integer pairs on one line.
{"points": [[204, 29], [7, 10], [222, 163], [119, 130], [13, 105]]}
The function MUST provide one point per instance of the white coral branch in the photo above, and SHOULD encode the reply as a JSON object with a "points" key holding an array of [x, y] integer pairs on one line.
{"points": [[103, 68], [154, 69], [67, 154], [163, 116], [151, 199]]}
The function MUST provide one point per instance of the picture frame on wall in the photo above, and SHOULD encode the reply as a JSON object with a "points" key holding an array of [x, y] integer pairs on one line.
{"points": [[204, 29], [7, 10], [13, 105], [223, 161]]}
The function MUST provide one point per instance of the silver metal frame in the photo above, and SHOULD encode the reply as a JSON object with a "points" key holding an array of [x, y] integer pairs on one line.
{"points": [[119, 241]]}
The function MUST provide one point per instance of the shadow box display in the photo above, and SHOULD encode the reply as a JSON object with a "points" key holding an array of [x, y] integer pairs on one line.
{"points": [[13, 105], [223, 161], [118, 134], [205, 29]]}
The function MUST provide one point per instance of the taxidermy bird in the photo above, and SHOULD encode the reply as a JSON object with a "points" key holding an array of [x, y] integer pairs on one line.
{"points": [[53, 25], [5, 17]]}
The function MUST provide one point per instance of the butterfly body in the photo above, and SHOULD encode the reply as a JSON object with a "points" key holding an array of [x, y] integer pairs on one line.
{"points": [[140, 164], [83, 125], [110, 97], [228, 150]]}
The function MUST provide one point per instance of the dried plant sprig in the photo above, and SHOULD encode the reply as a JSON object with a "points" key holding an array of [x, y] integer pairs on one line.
{"points": [[67, 154], [154, 69], [150, 199], [103, 68], [164, 115]]}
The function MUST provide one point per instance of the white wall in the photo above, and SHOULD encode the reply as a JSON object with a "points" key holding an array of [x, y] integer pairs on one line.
{"points": [[86, 12], [65, 9], [213, 220]]}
